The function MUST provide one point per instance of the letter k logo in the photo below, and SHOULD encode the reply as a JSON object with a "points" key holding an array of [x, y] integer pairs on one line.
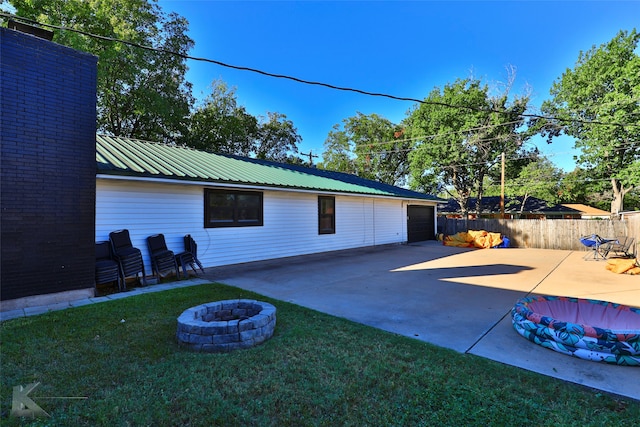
{"points": [[22, 405]]}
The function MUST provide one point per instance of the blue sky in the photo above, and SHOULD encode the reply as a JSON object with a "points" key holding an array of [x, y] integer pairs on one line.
{"points": [[403, 48]]}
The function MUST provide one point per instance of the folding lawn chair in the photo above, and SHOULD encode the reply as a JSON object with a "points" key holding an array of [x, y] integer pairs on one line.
{"points": [[622, 246], [594, 244]]}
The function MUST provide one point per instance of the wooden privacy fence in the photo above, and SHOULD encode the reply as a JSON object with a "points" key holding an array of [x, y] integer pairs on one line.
{"points": [[546, 234]]}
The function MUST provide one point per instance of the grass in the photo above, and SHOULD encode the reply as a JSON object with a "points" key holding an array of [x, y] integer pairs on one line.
{"points": [[316, 370]]}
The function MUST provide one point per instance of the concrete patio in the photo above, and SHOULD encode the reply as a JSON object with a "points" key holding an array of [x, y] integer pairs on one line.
{"points": [[451, 297]]}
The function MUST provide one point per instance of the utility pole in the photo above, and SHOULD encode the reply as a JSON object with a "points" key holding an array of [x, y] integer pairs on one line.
{"points": [[311, 156], [502, 189]]}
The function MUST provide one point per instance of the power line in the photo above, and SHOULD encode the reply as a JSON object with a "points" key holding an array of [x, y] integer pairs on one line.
{"points": [[618, 147], [308, 82], [453, 132], [470, 164]]}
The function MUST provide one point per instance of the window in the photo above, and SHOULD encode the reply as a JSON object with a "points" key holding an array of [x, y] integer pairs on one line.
{"points": [[326, 215], [232, 208]]}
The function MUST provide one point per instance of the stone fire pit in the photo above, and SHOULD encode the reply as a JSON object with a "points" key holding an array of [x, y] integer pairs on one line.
{"points": [[224, 326]]}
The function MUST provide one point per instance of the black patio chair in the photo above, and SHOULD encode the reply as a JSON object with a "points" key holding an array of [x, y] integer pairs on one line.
{"points": [[162, 259], [107, 268], [129, 258], [189, 256]]}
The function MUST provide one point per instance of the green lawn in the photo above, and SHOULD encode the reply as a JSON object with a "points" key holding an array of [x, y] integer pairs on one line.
{"points": [[316, 370]]}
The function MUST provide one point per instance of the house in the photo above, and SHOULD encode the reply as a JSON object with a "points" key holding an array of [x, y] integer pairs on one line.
{"points": [[534, 208], [588, 212], [63, 189], [240, 209]]}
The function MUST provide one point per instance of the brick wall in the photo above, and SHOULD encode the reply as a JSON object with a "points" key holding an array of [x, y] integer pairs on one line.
{"points": [[47, 166]]}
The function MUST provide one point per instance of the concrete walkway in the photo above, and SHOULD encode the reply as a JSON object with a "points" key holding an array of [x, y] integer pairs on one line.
{"points": [[455, 298]]}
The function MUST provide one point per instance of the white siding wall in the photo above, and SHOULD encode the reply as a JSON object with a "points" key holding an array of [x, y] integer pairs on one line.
{"points": [[290, 222], [390, 222]]}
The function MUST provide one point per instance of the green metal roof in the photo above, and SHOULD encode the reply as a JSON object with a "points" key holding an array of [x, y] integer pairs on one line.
{"points": [[131, 157]]}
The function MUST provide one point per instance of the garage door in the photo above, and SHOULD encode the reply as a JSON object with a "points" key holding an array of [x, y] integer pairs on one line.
{"points": [[420, 223]]}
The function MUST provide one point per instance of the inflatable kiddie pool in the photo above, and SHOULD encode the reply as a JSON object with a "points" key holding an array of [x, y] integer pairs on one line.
{"points": [[589, 329]]}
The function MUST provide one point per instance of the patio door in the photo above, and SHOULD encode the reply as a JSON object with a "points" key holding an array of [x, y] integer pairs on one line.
{"points": [[420, 223]]}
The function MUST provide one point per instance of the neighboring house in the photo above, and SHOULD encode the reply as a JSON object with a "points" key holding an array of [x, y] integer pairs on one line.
{"points": [[240, 209], [534, 208], [588, 212]]}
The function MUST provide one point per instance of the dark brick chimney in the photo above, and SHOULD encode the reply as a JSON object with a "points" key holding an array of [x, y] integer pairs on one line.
{"points": [[47, 170]]}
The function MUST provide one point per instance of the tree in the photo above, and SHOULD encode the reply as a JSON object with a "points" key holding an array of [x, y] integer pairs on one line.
{"points": [[338, 154], [460, 133], [141, 93], [278, 139], [597, 104], [632, 201], [513, 167], [369, 146], [219, 124], [575, 187], [540, 179]]}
